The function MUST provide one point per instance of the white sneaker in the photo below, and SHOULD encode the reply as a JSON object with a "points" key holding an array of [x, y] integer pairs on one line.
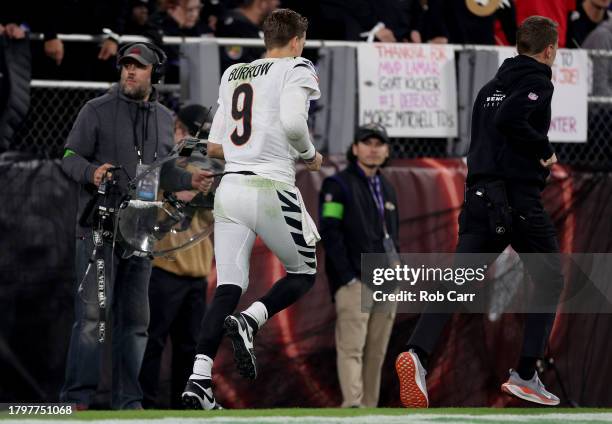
{"points": [[531, 390], [413, 387], [198, 395]]}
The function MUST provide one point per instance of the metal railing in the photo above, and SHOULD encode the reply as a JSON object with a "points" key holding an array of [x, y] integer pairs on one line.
{"points": [[47, 125]]}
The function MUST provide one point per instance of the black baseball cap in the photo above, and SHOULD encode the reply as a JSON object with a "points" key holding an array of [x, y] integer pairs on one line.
{"points": [[141, 53], [371, 130], [193, 116]]}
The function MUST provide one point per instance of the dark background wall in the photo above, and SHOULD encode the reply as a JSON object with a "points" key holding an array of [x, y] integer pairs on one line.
{"points": [[296, 349]]}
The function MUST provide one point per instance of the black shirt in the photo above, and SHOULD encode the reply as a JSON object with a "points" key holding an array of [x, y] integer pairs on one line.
{"points": [[235, 25], [510, 122], [453, 20]]}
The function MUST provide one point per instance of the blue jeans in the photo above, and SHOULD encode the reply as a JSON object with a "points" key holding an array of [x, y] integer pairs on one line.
{"points": [[127, 301]]}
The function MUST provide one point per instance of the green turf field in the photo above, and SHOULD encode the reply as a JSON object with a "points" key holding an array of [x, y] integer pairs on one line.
{"points": [[337, 416]]}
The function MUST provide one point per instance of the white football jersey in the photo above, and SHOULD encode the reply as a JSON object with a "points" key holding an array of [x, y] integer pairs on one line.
{"points": [[247, 122]]}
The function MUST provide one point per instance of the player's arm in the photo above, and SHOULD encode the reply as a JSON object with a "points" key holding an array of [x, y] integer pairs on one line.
{"points": [[512, 117], [294, 120], [217, 129], [332, 204], [300, 87]]}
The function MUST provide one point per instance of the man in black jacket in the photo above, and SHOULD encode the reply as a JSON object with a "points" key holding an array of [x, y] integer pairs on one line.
{"points": [[359, 215], [508, 164]]}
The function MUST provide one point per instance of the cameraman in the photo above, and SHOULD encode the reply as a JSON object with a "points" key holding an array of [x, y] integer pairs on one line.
{"points": [[125, 127]]}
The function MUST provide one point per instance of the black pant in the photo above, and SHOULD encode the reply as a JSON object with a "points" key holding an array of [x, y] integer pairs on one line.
{"points": [[177, 307], [532, 232]]}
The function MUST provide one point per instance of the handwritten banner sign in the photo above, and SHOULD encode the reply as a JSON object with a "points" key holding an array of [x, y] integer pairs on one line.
{"points": [[570, 101], [410, 89]]}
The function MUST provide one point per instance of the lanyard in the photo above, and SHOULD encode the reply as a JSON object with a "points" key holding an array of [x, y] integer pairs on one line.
{"points": [[376, 191], [139, 148]]}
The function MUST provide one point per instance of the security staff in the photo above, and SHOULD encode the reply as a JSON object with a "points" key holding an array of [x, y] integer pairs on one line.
{"points": [[508, 163], [359, 215]]}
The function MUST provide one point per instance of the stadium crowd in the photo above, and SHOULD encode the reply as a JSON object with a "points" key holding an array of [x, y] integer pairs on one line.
{"points": [[431, 21]]}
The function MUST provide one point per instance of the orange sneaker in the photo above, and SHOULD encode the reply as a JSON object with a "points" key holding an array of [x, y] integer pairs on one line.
{"points": [[413, 387], [531, 390]]}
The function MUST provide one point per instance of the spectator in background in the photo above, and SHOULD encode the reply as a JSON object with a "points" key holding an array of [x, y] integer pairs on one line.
{"points": [[583, 20], [452, 21], [244, 22], [358, 214], [177, 290], [178, 18], [212, 11], [81, 61], [601, 39], [137, 19], [15, 75], [11, 24], [16, 19], [389, 21], [599, 117], [557, 10]]}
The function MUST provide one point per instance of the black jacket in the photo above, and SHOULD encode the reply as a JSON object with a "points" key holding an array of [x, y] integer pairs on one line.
{"points": [[510, 123], [350, 223]]}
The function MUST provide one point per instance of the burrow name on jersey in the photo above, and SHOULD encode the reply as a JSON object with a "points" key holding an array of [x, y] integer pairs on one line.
{"points": [[249, 72]]}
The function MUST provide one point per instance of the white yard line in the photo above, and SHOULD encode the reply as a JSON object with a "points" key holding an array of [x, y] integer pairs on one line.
{"points": [[590, 418]]}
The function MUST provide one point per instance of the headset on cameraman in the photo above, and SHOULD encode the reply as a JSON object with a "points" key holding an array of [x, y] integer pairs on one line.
{"points": [[159, 68]]}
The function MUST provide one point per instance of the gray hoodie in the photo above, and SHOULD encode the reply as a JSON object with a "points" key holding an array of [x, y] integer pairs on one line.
{"points": [[601, 38], [111, 129]]}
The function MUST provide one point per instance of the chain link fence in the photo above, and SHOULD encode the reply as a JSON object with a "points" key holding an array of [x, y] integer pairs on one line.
{"points": [[54, 108], [595, 154]]}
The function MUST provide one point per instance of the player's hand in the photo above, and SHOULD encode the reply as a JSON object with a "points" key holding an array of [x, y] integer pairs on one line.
{"points": [[202, 181], [55, 50], [100, 173], [315, 163], [548, 163], [385, 35], [109, 49]]}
